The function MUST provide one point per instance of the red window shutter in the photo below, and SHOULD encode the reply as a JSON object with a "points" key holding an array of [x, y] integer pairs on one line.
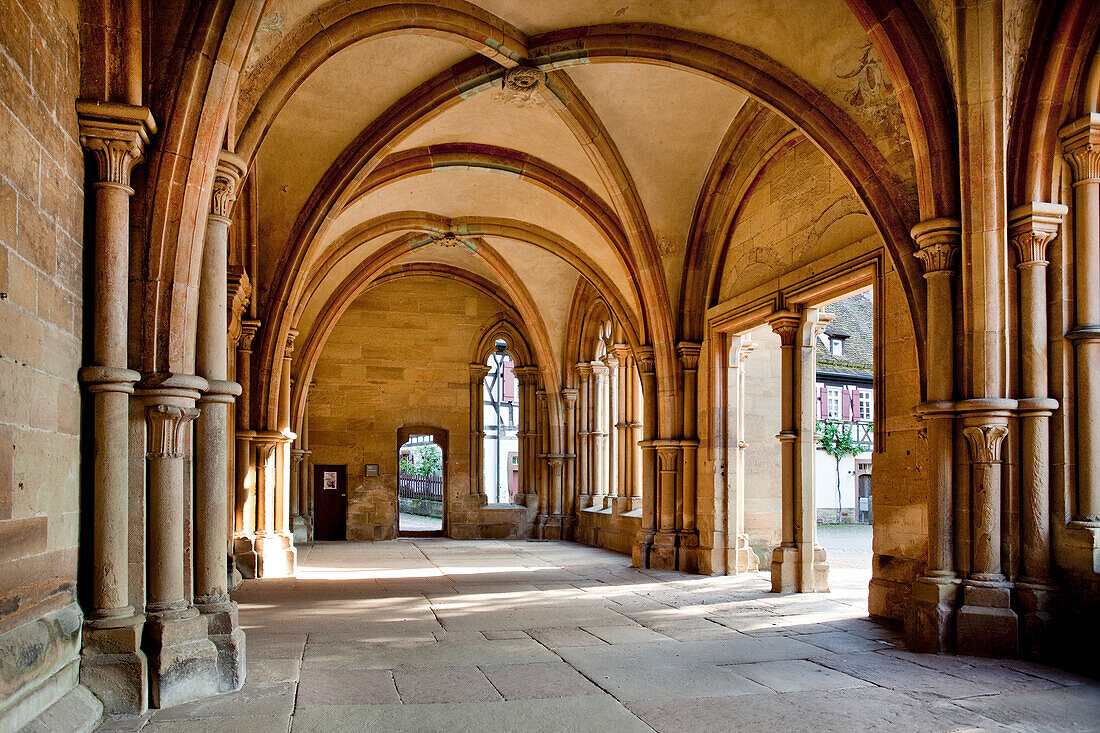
{"points": [[509, 381], [855, 403], [845, 404], [823, 402]]}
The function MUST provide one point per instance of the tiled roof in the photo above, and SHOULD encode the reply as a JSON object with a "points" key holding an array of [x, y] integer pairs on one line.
{"points": [[854, 320]]}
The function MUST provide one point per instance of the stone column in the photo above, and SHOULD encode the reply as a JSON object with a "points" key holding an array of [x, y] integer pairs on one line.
{"points": [[742, 558], [624, 448], [183, 662], [785, 557], [584, 416], [986, 625], [813, 569], [286, 498], [112, 663], [665, 551], [597, 435], [269, 554], [305, 492], [478, 373], [569, 397], [689, 537], [1031, 229], [544, 468], [245, 523], [611, 421], [648, 461], [637, 435], [929, 621], [1081, 140], [212, 434]]}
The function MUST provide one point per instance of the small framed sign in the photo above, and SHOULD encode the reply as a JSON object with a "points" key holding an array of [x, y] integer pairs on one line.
{"points": [[329, 482], [371, 469]]}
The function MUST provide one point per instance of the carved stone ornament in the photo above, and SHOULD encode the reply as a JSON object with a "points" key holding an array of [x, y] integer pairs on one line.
{"points": [[524, 78], [116, 134], [167, 424], [1033, 227], [1081, 143], [249, 327], [689, 354], [985, 442], [239, 293], [938, 244], [647, 363], [785, 324], [227, 178], [668, 458]]}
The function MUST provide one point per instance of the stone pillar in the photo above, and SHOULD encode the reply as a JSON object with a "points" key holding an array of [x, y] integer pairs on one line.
{"points": [[478, 373], [112, 664], [785, 557], [544, 468], [183, 662], [305, 492], [929, 621], [597, 436], [689, 536], [1081, 141], [813, 569], [611, 422], [569, 397], [1031, 229], [665, 551], [624, 445], [637, 435], [986, 625], [212, 434], [740, 556], [245, 521], [648, 460], [297, 474], [287, 490], [269, 553], [584, 417]]}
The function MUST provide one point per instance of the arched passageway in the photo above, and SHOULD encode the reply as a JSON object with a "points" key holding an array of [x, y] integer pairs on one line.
{"points": [[247, 244]]}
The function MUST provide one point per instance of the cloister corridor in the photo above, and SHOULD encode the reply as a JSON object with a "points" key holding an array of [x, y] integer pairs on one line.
{"points": [[436, 634]]}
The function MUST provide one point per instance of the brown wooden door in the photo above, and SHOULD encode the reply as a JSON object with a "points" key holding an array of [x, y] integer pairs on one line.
{"points": [[330, 502]]}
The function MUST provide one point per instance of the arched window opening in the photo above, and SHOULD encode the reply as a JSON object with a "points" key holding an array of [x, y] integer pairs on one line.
{"points": [[500, 449], [420, 485]]}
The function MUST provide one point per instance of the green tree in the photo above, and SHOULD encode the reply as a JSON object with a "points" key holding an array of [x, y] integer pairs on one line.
{"points": [[837, 440]]}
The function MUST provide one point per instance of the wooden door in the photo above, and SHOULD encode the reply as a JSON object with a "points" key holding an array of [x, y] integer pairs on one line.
{"points": [[330, 502]]}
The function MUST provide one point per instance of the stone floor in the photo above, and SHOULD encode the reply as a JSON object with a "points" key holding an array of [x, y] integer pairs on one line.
{"points": [[438, 635], [418, 523]]}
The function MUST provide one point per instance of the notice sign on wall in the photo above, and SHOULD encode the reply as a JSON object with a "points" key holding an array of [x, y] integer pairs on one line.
{"points": [[329, 483], [370, 469]]}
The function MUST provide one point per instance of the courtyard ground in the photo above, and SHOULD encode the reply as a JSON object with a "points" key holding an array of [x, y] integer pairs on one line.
{"points": [[439, 635]]}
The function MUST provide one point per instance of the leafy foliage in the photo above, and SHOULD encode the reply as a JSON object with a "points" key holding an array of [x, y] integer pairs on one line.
{"points": [[837, 440], [422, 460]]}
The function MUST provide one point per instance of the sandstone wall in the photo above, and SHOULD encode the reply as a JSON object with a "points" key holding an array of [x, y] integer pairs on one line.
{"points": [[41, 293], [399, 356]]}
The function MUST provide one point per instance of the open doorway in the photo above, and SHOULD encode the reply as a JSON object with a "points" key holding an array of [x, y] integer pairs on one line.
{"points": [[844, 431], [420, 483]]}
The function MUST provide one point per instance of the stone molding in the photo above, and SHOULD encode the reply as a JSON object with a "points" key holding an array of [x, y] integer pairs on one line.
{"points": [[117, 135], [1081, 145], [524, 78], [646, 359], [689, 354], [227, 178], [985, 442], [239, 294], [291, 334], [938, 244], [570, 394], [249, 328], [785, 324], [1031, 228]]}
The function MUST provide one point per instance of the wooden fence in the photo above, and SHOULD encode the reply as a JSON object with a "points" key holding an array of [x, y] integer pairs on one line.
{"points": [[429, 488]]}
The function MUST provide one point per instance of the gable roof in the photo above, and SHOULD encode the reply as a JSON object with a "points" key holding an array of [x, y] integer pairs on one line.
{"points": [[854, 323]]}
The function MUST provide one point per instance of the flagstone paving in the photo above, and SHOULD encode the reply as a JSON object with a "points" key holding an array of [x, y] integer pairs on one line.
{"points": [[439, 635]]}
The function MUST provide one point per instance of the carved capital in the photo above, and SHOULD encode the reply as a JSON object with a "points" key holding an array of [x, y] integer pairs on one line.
{"points": [[227, 178], [117, 135], [985, 442], [647, 362], [786, 324], [1031, 228], [238, 293], [668, 458], [569, 394], [290, 336], [249, 327], [1081, 145], [167, 425], [584, 370], [478, 372], [689, 354], [938, 244]]}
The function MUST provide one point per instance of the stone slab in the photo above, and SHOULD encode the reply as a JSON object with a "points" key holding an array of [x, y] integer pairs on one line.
{"points": [[444, 684], [260, 700], [797, 675], [538, 681], [625, 634], [655, 680], [396, 655], [346, 687], [1069, 709]]}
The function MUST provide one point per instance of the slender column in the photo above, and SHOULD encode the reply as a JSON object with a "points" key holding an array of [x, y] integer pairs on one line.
{"points": [[183, 662], [477, 420], [112, 663], [743, 558], [929, 622], [285, 498], [544, 468], [245, 506], [611, 422], [637, 435], [272, 553], [211, 434], [569, 397], [689, 360], [585, 488], [1031, 229], [624, 449], [647, 464], [597, 435], [1081, 140], [813, 569], [530, 418], [785, 557]]}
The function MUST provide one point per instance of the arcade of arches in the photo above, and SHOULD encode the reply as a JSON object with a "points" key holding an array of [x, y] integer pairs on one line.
{"points": [[244, 238]]}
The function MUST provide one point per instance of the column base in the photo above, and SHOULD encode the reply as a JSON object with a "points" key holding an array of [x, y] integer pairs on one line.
{"points": [[299, 529], [224, 630], [820, 573], [664, 554], [550, 527], [744, 559], [569, 527], [688, 552], [1081, 551], [785, 569], [1035, 606], [643, 547], [266, 555], [183, 662], [113, 666], [930, 617], [986, 625]]}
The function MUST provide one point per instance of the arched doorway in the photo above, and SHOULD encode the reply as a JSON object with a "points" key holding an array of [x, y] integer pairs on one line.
{"points": [[500, 440], [421, 495]]}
